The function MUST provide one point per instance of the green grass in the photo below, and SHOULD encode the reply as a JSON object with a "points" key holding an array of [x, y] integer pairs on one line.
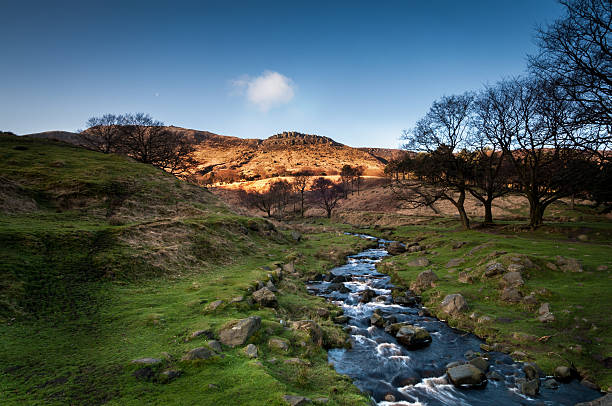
{"points": [[581, 302], [116, 260]]}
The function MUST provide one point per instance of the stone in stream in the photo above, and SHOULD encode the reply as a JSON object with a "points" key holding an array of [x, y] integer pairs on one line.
{"points": [[265, 297], [199, 353], [480, 363], [424, 281], [454, 304], [529, 387], [238, 331], [550, 383], [413, 337], [366, 295], [563, 373], [377, 319], [466, 375]]}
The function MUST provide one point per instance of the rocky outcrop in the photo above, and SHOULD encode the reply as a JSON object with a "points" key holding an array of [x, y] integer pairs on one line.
{"points": [[424, 281], [454, 304], [239, 331], [265, 297]]}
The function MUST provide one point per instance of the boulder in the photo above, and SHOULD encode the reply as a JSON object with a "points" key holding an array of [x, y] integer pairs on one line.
{"points": [[366, 296], [529, 387], [545, 315], [199, 353], [511, 295], [377, 319], [454, 304], [550, 383], [568, 264], [270, 286], [413, 337], [420, 261], [296, 400], [296, 236], [466, 375], [531, 371], [215, 345], [323, 313], [512, 280], [395, 248], [238, 331], [464, 277], [279, 343], [494, 268], [289, 267], [265, 297], [198, 333], [415, 248], [424, 281], [312, 328], [563, 373], [530, 299], [251, 351], [455, 262], [169, 375], [480, 363], [605, 400]]}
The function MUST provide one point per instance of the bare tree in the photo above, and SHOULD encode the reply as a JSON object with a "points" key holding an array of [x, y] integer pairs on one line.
{"points": [[443, 134], [103, 134], [300, 183], [358, 172], [327, 194]]}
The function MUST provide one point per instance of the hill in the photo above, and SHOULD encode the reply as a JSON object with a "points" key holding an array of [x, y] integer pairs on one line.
{"points": [[105, 260]]}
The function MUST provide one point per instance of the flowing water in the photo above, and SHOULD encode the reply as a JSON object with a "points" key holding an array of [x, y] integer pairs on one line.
{"points": [[380, 366]]}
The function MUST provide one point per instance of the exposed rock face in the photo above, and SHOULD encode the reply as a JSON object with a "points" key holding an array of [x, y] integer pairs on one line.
{"points": [[395, 248], [265, 297], [466, 375], [424, 281], [288, 138], [413, 337], [312, 328], [238, 331], [454, 304], [199, 353]]}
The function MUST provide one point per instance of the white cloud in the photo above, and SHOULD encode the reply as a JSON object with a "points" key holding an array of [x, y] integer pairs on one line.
{"points": [[270, 89]]}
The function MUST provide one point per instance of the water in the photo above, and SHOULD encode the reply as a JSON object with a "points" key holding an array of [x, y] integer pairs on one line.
{"points": [[381, 366]]}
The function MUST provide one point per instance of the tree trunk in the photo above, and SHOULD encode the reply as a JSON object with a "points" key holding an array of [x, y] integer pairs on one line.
{"points": [[329, 211], [459, 204], [536, 213], [302, 202], [488, 206], [572, 203]]}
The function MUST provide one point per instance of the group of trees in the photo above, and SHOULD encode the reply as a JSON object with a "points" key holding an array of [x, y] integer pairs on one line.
{"points": [[351, 177], [322, 193], [545, 136], [142, 138]]}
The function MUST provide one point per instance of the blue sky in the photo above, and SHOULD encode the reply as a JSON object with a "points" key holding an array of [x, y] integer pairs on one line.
{"points": [[358, 72]]}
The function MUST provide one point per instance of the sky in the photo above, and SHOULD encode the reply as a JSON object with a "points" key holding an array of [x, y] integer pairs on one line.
{"points": [[359, 72]]}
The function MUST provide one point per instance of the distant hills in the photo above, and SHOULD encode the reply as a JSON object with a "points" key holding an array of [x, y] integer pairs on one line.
{"points": [[231, 158]]}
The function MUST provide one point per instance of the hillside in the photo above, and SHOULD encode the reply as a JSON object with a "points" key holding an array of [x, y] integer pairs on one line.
{"points": [[233, 158], [105, 260]]}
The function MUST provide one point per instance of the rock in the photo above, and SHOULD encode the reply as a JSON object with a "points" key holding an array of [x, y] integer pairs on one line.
{"points": [[530, 299], [529, 387], [424, 281], [568, 264], [207, 333], [289, 268], [279, 343], [403, 298], [169, 375], [550, 384], [544, 308], [215, 345], [563, 373], [376, 319], [466, 374], [415, 248], [296, 235], [251, 351], [395, 248], [413, 337], [511, 295], [238, 331], [464, 277], [145, 373], [265, 297], [480, 363], [199, 353], [213, 306], [454, 304], [588, 384], [495, 376], [270, 286], [494, 268], [582, 237], [147, 361], [516, 268], [546, 315], [341, 319], [366, 296], [296, 400], [420, 261], [455, 262], [237, 299], [551, 266], [312, 328], [389, 397], [340, 279], [605, 400], [518, 354], [531, 371], [512, 280], [323, 313]]}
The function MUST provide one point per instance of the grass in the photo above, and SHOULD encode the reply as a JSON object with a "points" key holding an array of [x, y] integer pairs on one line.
{"points": [[582, 331], [105, 260]]}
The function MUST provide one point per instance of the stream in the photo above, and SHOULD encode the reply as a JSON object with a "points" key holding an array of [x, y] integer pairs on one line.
{"points": [[380, 366]]}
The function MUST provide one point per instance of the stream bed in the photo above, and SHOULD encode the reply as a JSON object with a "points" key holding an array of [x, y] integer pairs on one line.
{"points": [[382, 367]]}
